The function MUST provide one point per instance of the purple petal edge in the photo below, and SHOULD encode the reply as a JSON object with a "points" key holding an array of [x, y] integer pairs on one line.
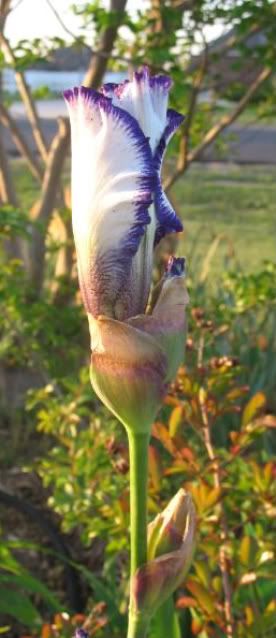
{"points": [[146, 185], [163, 82], [168, 222], [176, 267], [174, 119]]}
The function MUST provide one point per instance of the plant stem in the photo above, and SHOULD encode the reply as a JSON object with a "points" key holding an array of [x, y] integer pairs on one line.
{"points": [[138, 457], [229, 621], [137, 626]]}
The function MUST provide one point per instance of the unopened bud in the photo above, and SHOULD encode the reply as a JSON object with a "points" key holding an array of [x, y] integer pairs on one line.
{"points": [[171, 543], [165, 533]]}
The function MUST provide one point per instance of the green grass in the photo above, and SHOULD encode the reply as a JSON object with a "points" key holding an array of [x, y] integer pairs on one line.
{"points": [[235, 202]]}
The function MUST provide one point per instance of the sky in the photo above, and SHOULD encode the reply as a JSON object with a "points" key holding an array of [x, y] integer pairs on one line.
{"points": [[34, 19]]}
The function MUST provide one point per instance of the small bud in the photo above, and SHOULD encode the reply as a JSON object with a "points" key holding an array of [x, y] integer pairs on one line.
{"points": [[166, 532], [171, 539]]}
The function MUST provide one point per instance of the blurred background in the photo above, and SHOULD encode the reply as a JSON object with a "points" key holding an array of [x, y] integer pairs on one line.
{"points": [[64, 509]]}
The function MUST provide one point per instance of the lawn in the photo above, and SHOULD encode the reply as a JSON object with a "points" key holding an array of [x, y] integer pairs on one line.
{"points": [[236, 205]]}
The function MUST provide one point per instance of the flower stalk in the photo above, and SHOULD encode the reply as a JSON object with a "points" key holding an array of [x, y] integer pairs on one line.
{"points": [[138, 458]]}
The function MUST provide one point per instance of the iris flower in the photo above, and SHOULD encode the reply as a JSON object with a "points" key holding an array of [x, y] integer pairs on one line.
{"points": [[120, 213]]}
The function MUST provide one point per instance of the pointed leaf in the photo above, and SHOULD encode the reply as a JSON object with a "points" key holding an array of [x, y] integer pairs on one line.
{"points": [[253, 406]]}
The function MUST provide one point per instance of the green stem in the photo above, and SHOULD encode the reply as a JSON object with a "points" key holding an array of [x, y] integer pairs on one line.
{"points": [[138, 457], [137, 626]]}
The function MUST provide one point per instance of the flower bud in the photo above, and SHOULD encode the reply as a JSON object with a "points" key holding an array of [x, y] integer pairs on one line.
{"points": [[165, 533], [171, 543]]}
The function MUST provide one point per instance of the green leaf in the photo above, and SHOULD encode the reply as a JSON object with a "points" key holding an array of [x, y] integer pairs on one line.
{"points": [[253, 406], [33, 585], [165, 622], [248, 549], [18, 606]]}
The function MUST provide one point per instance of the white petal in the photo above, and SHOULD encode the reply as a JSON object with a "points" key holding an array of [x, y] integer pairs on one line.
{"points": [[146, 98], [112, 183]]}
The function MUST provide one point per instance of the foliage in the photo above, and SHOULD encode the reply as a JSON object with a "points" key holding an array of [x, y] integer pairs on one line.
{"points": [[86, 467], [216, 431], [82, 458], [18, 588]]}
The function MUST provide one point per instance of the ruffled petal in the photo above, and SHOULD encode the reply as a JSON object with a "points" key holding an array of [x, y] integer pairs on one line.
{"points": [[112, 184], [128, 371], [167, 220], [146, 99], [167, 324]]}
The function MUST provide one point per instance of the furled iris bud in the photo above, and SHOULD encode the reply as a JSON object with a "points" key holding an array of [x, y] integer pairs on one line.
{"points": [[171, 539], [120, 212]]}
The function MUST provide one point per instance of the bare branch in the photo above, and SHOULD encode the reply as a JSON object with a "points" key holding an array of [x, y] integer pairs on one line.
{"points": [[4, 12], [184, 5], [20, 142], [222, 124], [42, 210], [100, 53], [7, 192], [232, 39], [226, 583], [26, 99], [184, 142], [97, 66], [18, 3], [61, 22]]}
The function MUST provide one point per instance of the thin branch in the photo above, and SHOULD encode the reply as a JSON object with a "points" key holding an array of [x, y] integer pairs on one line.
{"points": [[219, 48], [4, 12], [42, 210], [184, 5], [7, 192], [100, 53], [98, 64], [26, 99], [222, 124], [229, 621], [62, 23], [18, 3], [184, 142], [20, 142]]}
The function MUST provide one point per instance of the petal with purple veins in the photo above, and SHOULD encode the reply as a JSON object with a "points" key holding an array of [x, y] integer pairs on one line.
{"points": [[112, 184], [146, 99]]}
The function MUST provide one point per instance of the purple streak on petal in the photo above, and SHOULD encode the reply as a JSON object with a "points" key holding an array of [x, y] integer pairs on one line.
{"points": [[163, 82], [146, 182], [160, 81], [174, 119], [108, 88], [168, 221], [175, 267], [118, 260], [89, 95]]}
